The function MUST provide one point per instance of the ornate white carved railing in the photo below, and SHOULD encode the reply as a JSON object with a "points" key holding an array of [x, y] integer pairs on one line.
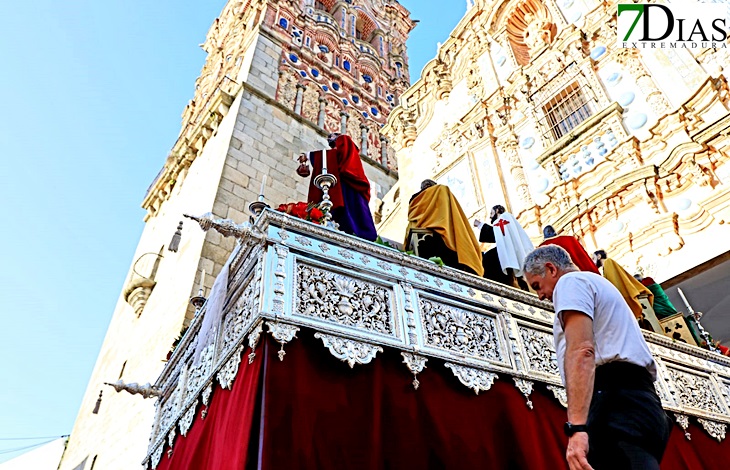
{"points": [[360, 297]]}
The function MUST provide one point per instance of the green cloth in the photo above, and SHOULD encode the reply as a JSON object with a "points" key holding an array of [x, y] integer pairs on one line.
{"points": [[662, 305]]}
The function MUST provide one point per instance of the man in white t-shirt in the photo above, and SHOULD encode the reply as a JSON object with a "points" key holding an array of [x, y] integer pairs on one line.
{"points": [[615, 418]]}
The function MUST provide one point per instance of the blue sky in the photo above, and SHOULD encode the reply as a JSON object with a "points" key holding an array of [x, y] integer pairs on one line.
{"points": [[92, 96]]}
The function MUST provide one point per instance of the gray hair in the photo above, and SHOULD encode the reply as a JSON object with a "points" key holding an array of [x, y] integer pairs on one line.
{"points": [[535, 261]]}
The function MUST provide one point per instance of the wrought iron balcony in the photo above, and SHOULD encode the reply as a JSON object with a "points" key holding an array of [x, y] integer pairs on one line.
{"points": [[289, 277]]}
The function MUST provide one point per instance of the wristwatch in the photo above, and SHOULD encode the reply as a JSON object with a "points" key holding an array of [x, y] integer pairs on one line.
{"points": [[571, 428]]}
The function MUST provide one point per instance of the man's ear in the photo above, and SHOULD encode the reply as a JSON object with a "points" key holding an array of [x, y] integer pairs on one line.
{"points": [[551, 269]]}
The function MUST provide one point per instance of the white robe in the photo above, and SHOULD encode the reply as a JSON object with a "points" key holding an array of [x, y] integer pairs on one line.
{"points": [[213, 315], [513, 245]]}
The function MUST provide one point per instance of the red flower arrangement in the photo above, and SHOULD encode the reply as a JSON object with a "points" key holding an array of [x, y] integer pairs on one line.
{"points": [[302, 210]]}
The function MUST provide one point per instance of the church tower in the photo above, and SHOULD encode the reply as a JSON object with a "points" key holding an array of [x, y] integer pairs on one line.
{"points": [[279, 76]]}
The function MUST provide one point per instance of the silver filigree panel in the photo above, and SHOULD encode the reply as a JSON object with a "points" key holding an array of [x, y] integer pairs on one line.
{"points": [[458, 330], [540, 351], [344, 300], [696, 391], [236, 321]]}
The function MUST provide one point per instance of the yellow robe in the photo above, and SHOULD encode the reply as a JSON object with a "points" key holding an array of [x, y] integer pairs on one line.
{"points": [[435, 208], [629, 287]]}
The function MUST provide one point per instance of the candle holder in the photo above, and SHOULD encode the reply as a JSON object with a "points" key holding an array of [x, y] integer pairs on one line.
{"points": [[324, 182], [258, 206], [704, 334], [198, 301]]}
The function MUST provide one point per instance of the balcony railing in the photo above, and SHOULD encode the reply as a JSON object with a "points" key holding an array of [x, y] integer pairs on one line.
{"points": [[360, 297]]}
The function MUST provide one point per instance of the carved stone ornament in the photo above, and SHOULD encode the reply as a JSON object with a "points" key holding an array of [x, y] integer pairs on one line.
{"points": [[415, 364], [343, 300], [525, 386], [560, 393], [475, 379], [282, 333], [157, 456], [253, 340], [347, 350], [683, 421], [716, 430], [186, 421], [462, 331], [229, 371]]}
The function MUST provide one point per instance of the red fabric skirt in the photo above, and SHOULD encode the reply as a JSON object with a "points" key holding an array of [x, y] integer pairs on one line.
{"points": [[312, 411]]}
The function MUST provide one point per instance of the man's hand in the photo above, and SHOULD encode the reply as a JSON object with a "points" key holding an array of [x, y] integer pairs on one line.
{"points": [[477, 223], [577, 453]]}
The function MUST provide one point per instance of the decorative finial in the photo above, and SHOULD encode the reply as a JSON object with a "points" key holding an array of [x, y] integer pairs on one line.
{"points": [[175, 242], [98, 404]]}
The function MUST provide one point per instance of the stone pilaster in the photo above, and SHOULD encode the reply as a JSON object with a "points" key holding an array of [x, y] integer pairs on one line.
{"points": [[631, 61], [508, 146], [300, 96]]}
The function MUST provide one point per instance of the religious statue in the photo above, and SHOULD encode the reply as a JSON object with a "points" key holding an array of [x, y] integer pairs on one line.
{"points": [[350, 195], [513, 245], [438, 227], [537, 33], [577, 253]]}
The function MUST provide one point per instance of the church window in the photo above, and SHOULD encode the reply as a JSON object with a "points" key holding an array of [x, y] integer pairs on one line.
{"points": [[337, 61], [380, 90], [382, 54], [335, 86], [283, 23], [565, 111], [346, 65], [324, 49], [355, 99], [352, 25], [358, 34], [315, 73], [308, 42], [367, 78]]}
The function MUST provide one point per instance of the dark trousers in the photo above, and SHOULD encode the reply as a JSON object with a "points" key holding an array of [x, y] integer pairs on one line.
{"points": [[627, 427]]}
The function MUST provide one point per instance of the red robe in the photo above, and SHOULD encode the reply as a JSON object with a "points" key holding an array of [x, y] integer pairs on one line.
{"points": [[344, 163], [578, 254]]}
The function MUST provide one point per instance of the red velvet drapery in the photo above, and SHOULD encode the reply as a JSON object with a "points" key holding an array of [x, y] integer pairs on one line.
{"points": [[317, 413]]}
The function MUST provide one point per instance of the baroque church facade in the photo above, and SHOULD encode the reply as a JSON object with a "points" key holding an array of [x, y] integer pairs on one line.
{"points": [[279, 76], [531, 104]]}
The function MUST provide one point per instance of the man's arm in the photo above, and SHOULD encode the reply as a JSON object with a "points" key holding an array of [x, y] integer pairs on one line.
{"points": [[580, 370]]}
